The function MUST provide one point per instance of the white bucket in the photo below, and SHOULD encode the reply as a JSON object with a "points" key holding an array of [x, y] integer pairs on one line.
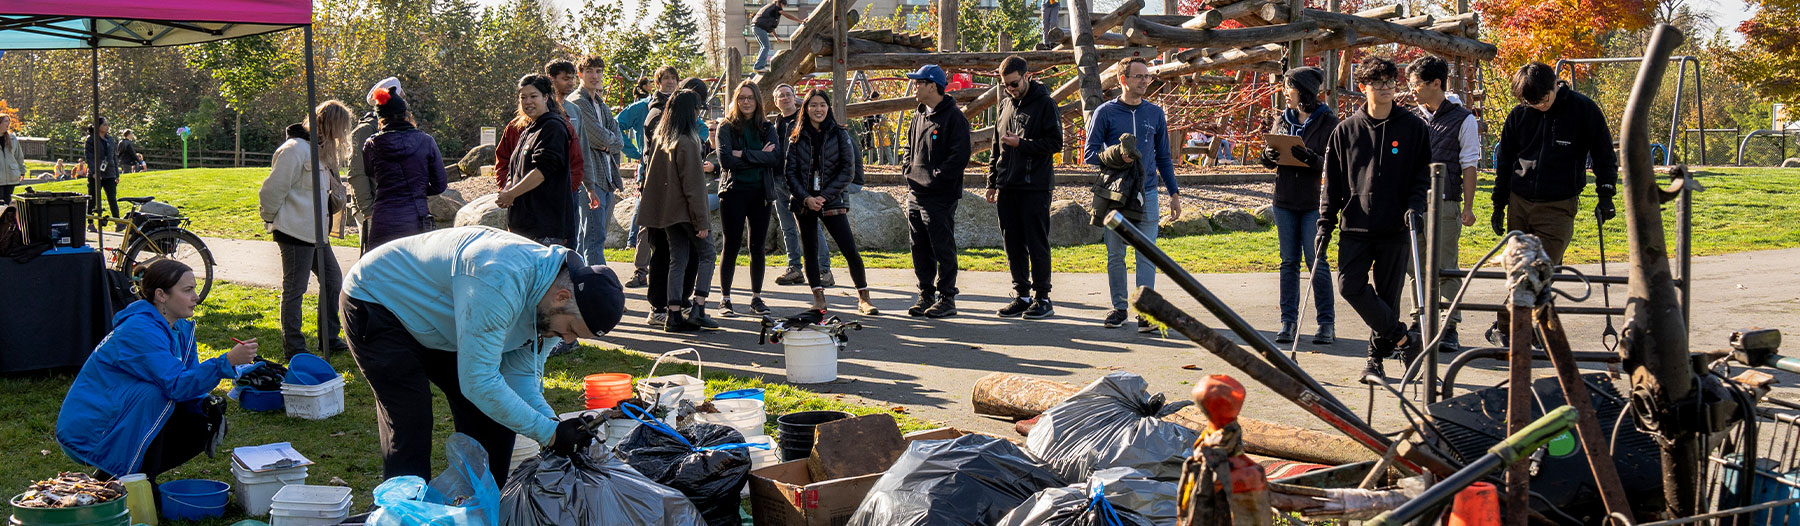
{"points": [[523, 448], [314, 402], [303, 505], [811, 356], [616, 430], [667, 390], [743, 414], [762, 458], [256, 491]]}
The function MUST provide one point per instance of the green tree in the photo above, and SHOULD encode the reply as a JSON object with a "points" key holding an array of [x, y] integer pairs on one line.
{"points": [[244, 68], [1769, 59], [675, 33]]}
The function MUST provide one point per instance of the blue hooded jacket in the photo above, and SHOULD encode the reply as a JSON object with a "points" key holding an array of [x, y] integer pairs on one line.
{"points": [[1147, 122], [130, 386]]}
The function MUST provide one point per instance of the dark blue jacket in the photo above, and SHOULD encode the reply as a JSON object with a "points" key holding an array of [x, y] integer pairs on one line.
{"points": [[404, 166], [1147, 122]]}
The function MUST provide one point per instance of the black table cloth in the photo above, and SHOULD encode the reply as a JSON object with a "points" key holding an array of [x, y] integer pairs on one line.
{"points": [[54, 308]]}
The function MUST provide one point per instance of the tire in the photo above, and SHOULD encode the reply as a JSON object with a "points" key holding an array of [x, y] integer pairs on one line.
{"points": [[174, 243]]}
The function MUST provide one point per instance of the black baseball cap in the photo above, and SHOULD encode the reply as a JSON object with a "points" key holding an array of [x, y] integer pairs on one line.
{"points": [[598, 293]]}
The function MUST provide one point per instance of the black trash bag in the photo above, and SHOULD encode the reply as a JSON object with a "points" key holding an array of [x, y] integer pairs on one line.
{"points": [[694, 464], [589, 490], [970, 481], [263, 375], [1135, 499], [1113, 422]]}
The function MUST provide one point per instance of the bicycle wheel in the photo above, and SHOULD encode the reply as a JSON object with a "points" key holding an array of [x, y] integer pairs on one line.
{"points": [[174, 243]]}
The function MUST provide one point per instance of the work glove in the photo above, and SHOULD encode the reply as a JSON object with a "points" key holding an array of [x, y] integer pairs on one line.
{"points": [[1323, 240], [1499, 220], [1304, 155], [572, 435], [1604, 210], [1270, 157]]}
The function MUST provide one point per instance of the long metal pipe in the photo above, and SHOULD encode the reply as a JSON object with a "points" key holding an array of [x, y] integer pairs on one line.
{"points": [[1494, 353]]}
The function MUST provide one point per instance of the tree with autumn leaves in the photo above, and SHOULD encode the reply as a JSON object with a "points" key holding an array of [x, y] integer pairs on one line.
{"points": [[1769, 59]]}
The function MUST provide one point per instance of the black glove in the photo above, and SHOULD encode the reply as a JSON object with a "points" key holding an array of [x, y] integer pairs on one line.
{"points": [[1270, 157], [1302, 154], [1499, 220], [1323, 240], [572, 435], [1604, 209]]}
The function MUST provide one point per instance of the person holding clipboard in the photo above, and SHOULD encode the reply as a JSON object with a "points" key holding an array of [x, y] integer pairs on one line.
{"points": [[1293, 153]]}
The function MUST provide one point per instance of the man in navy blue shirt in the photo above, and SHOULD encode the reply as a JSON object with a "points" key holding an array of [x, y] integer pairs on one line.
{"points": [[1130, 113]]}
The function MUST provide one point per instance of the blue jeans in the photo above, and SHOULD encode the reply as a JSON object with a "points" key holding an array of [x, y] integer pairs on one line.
{"points": [[1115, 252], [591, 241], [790, 236], [1296, 231], [767, 52]]}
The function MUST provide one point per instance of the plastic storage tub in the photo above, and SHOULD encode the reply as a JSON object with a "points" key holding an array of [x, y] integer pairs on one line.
{"points": [[303, 505], [314, 402], [256, 491]]}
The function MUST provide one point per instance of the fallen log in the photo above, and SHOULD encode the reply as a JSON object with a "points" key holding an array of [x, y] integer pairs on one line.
{"points": [[1153, 34], [983, 60], [1020, 396], [1431, 41], [1277, 12], [986, 100], [1117, 16], [877, 107]]}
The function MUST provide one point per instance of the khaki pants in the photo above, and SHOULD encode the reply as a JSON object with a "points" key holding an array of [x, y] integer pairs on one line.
{"points": [[1553, 222], [1449, 225]]}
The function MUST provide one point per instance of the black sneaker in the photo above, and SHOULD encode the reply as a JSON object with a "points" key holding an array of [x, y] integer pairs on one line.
{"points": [[1496, 335], [725, 309], [757, 306], [1114, 319], [697, 316], [944, 308], [1410, 347], [1287, 333], [676, 322], [1451, 343], [793, 276], [1040, 309], [639, 279], [1144, 325], [1015, 309], [926, 301], [1373, 367]]}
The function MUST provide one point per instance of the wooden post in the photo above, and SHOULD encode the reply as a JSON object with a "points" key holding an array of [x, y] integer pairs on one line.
{"points": [[734, 68], [1087, 60], [840, 41], [1333, 61], [947, 30]]}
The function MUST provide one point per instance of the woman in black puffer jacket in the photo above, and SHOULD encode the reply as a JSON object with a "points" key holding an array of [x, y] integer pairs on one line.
{"points": [[820, 164], [750, 152]]}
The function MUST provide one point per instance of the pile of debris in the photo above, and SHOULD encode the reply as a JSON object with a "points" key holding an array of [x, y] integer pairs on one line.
{"points": [[68, 490]]}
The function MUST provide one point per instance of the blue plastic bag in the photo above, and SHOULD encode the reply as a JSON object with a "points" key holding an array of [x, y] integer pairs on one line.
{"points": [[463, 495]]}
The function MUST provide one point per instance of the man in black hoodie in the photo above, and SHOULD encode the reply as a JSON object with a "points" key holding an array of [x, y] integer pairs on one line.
{"points": [[937, 154], [1020, 182], [1541, 164], [1377, 171]]}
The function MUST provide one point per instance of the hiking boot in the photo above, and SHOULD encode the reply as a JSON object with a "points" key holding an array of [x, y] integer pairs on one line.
{"points": [[1114, 319], [1145, 325], [1015, 309], [656, 318], [944, 308], [676, 322], [1373, 367], [926, 301], [793, 276], [1451, 343], [867, 308], [1040, 309], [1325, 336], [697, 316], [1287, 333], [757, 306], [825, 279], [725, 308], [639, 279]]}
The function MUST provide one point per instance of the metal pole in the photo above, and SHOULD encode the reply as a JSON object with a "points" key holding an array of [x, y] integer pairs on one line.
{"points": [[1518, 413], [94, 139], [1428, 281], [322, 249]]}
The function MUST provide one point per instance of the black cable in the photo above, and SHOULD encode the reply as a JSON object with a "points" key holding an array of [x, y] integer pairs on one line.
{"points": [[1553, 509]]}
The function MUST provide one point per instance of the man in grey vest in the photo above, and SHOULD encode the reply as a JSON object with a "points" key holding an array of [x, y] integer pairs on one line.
{"points": [[1456, 142]]}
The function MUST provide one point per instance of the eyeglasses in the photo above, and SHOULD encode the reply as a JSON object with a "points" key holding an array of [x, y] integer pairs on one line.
{"points": [[1381, 86], [1138, 76], [1015, 84]]}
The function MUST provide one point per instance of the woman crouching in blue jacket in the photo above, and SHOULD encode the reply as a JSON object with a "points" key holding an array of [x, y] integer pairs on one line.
{"points": [[138, 405]]}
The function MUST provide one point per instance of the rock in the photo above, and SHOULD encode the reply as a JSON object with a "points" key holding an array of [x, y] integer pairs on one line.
{"points": [[444, 207], [1265, 214], [471, 163], [482, 211], [1791, 162], [454, 194], [1072, 224], [977, 222], [159, 208], [1191, 224], [1234, 220], [621, 218], [877, 220]]}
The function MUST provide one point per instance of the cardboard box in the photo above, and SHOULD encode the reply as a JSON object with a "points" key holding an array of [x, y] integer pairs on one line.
{"points": [[785, 494]]}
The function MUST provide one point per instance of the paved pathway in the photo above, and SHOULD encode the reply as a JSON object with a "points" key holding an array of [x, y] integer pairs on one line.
{"points": [[928, 366]]}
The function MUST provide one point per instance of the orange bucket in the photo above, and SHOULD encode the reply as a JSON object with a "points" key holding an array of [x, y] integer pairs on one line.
{"points": [[606, 390], [1476, 505]]}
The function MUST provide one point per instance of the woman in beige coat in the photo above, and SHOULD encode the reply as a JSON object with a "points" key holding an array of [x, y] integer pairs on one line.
{"points": [[673, 206], [12, 159], [288, 205]]}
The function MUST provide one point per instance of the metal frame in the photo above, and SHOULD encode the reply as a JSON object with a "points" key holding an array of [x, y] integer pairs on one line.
{"points": [[1681, 77]]}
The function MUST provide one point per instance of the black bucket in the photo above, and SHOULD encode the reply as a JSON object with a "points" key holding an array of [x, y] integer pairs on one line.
{"points": [[797, 431]]}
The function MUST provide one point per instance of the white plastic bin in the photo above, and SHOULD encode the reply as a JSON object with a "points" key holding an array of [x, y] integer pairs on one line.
{"points": [[762, 458], [523, 448], [256, 491], [811, 356], [667, 390], [303, 505], [314, 402], [743, 414]]}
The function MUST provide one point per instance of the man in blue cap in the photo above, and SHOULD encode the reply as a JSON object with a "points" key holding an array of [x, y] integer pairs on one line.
{"points": [[933, 169], [468, 310]]}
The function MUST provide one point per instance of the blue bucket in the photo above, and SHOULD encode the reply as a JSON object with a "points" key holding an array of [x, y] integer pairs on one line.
{"points": [[259, 400], [309, 369], [754, 393], [194, 499]]}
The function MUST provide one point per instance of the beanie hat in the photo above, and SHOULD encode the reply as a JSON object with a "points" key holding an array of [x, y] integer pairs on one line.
{"points": [[1306, 79]]}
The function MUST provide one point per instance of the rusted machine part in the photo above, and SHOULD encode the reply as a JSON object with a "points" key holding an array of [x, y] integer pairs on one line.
{"points": [[1655, 339], [1528, 285], [1587, 423], [1219, 479]]}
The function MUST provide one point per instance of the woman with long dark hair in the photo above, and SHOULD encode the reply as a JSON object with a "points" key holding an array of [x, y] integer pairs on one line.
{"points": [[405, 167], [750, 152], [289, 201], [537, 196], [821, 162], [673, 207]]}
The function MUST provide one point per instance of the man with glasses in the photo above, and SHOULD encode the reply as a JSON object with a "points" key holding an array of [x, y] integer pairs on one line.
{"points": [[1377, 170], [1456, 142], [1020, 181], [938, 151], [1130, 113]]}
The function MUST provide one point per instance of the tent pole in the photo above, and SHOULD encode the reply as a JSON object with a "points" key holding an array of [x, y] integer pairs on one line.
{"points": [[322, 248], [93, 162]]}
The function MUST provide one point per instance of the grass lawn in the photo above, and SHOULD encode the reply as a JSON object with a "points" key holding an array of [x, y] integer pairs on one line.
{"points": [[344, 446], [1741, 210], [219, 202]]}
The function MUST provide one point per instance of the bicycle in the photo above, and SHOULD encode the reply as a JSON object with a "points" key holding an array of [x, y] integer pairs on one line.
{"points": [[150, 237]]}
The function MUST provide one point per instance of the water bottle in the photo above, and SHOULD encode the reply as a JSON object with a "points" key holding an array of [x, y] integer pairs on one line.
{"points": [[139, 499]]}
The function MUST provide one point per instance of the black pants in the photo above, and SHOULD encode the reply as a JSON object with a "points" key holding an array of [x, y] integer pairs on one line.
{"points": [[6, 192], [401, 372], [932, 224], [839, 228], [1371, 273], [298, 259], [679, 255], [736, 209], [1025, 227], [110, 187], [182, 437]]}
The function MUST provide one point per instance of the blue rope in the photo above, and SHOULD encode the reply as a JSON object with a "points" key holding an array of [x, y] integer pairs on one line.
{"points": [[633, 412], [1102, 508]]}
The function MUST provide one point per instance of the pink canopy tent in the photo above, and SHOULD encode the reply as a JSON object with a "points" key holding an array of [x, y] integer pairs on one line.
{"points": [[94, 24]]}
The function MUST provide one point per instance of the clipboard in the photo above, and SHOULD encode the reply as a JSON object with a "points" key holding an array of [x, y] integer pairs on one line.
{"points": [[1285, 144]]}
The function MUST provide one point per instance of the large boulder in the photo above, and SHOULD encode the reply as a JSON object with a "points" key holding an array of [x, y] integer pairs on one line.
{"points": [[471, 163], [1190, 224], [445, 206], [1072, 224], [482, 211], [1265, 214], [977, 222], [621, 219], [1234, 220], [877, 220]]}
